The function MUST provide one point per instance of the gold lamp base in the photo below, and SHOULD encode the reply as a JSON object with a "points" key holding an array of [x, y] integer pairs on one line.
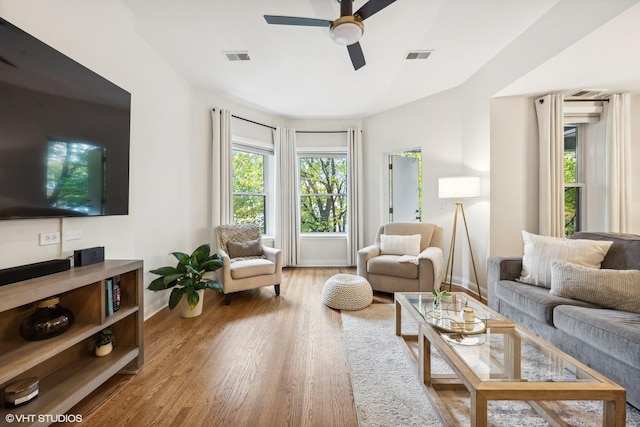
{"points": [[449, 270]]}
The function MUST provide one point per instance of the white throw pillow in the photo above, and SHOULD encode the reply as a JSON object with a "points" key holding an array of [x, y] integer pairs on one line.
{"points": [[617, 289], [539, 251], [400, 245]]}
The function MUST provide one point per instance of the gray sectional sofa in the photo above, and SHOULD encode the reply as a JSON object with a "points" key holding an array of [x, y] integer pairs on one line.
{"points": [[606, 340]]}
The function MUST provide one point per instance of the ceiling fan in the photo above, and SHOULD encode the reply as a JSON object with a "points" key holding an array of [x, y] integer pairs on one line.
{"points": [[346, 30]]}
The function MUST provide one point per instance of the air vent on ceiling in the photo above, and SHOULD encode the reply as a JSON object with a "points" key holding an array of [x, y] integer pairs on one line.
{"points": [[237, 56], [418, 54]]}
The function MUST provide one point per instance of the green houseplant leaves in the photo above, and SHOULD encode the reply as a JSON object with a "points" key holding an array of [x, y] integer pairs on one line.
{"points": [[187, 276]]}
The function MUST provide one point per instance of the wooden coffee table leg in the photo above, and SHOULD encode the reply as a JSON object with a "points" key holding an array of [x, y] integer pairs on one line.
{"points": [[478, 409], [614, 412], [398, 319]]}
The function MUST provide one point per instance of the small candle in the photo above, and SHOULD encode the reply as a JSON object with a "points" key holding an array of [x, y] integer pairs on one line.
{"points": [[469, 318]]}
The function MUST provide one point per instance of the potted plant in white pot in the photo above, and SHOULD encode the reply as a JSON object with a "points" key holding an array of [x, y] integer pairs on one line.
{"points": [[187, 279], [104, 342]]}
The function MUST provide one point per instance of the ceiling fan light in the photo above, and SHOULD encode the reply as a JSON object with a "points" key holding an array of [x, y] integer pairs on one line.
{"points": [[346, 33]]}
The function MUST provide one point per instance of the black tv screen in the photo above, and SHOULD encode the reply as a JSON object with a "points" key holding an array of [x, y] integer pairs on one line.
{"points": [[64, 134]]}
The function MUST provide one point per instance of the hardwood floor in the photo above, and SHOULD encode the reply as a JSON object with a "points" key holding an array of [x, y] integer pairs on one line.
{"points": [[261, 361]]}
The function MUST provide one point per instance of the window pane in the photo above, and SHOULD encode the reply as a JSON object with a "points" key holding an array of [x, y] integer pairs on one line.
{"points": [[323, 175], [571, 210], [570, 155], [323, 214], [249, 197], [572, 181], [323, 200], [249, 209], [248, 172]]}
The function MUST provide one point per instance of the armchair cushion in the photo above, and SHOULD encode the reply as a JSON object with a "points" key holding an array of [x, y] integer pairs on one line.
{"points": [[390, 265], [400, 245], [250, 248], [251, 268]]}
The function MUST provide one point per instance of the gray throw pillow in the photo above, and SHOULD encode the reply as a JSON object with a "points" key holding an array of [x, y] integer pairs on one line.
{"points": [[250, 248], [617, 289]]}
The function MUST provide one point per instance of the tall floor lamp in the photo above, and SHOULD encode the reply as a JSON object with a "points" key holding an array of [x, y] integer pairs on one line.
{"points": [[459, 187]]}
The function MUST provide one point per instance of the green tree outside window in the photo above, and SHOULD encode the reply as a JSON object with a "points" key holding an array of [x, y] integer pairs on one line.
{"points": [[323, 194], [248, 183]]}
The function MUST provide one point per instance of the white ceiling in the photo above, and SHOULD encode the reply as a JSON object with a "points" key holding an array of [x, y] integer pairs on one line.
{"points": [[299, 72]]}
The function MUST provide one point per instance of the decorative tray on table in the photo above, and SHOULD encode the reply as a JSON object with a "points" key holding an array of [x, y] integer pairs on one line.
{"points": [[450, 320]]}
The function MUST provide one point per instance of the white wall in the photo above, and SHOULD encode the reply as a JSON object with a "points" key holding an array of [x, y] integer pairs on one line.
{"points": [[103, 48], [163, 217], [514, 173], [634, 217]]}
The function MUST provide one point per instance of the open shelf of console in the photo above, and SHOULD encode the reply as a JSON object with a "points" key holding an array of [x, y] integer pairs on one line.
{"points": [[65, 365]]}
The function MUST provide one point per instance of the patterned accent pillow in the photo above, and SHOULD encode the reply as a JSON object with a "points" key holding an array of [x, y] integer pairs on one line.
{"points": [[539, 251], [400, 245], [251, 248], [237, 233], [617, 289]]}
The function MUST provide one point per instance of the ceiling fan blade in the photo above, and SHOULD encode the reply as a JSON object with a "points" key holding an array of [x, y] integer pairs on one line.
{"points": [[357, 57], [346, 8], [293, 20], [372, 7]]}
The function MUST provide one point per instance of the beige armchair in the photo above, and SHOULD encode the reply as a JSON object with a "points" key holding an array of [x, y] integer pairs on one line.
{"points": [[393, 271], [247, 263]]}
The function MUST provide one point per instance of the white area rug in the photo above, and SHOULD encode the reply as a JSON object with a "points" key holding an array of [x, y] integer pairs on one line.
{"points": [[387, 391]]}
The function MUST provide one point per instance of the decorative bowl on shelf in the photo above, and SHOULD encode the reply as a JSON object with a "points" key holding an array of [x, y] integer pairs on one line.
{"points": [[48, 320]]}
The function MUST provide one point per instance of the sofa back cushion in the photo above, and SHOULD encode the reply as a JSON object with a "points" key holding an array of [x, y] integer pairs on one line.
{"points": [[617, 289], [624, 253]]}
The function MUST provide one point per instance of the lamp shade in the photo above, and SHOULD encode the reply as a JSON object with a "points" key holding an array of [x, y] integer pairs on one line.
{"points": [[458, 187]]}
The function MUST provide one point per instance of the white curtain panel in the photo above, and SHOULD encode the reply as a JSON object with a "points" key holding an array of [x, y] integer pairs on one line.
{"points": [[221, 212], [549, 110], [618, 143], [355, 219], [287, 231]]}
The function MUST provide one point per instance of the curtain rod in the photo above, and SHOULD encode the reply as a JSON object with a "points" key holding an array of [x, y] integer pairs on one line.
{"points": [[585, 100], [297, 131], [251, 121], [321, 131]]}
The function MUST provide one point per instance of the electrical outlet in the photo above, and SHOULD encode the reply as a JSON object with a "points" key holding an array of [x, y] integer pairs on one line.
{"points": [[52, 238]]}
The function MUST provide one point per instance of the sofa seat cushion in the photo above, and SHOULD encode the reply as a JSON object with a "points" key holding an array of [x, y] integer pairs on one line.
{"points": [[389, 265], [251, 267], [613, 332], [534, 300]]}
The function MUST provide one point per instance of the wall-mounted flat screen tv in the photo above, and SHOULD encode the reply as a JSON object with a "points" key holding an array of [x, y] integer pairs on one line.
{"points": [[64, 134]]}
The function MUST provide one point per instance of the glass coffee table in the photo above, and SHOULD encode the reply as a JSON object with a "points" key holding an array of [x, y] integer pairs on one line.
{"points": [[500, 362]]}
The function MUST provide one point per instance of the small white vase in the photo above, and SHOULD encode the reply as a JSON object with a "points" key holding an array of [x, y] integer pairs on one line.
{"points": [[437, 308], [103, 350], [186, 311]]}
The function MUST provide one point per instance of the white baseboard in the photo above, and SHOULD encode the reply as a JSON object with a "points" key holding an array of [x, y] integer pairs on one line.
{"points": [[153, 309]]}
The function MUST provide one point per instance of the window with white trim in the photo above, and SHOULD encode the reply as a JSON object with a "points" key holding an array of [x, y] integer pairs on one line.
{"points": [[573, 180], [323, 192], [251, 185]]}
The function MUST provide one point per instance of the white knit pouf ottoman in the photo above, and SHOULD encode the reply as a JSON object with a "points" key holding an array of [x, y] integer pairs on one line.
{"points": [[347, 292]]}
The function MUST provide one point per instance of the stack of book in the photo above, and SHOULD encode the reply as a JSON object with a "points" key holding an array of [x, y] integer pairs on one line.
{"points": [[112, 294]]}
